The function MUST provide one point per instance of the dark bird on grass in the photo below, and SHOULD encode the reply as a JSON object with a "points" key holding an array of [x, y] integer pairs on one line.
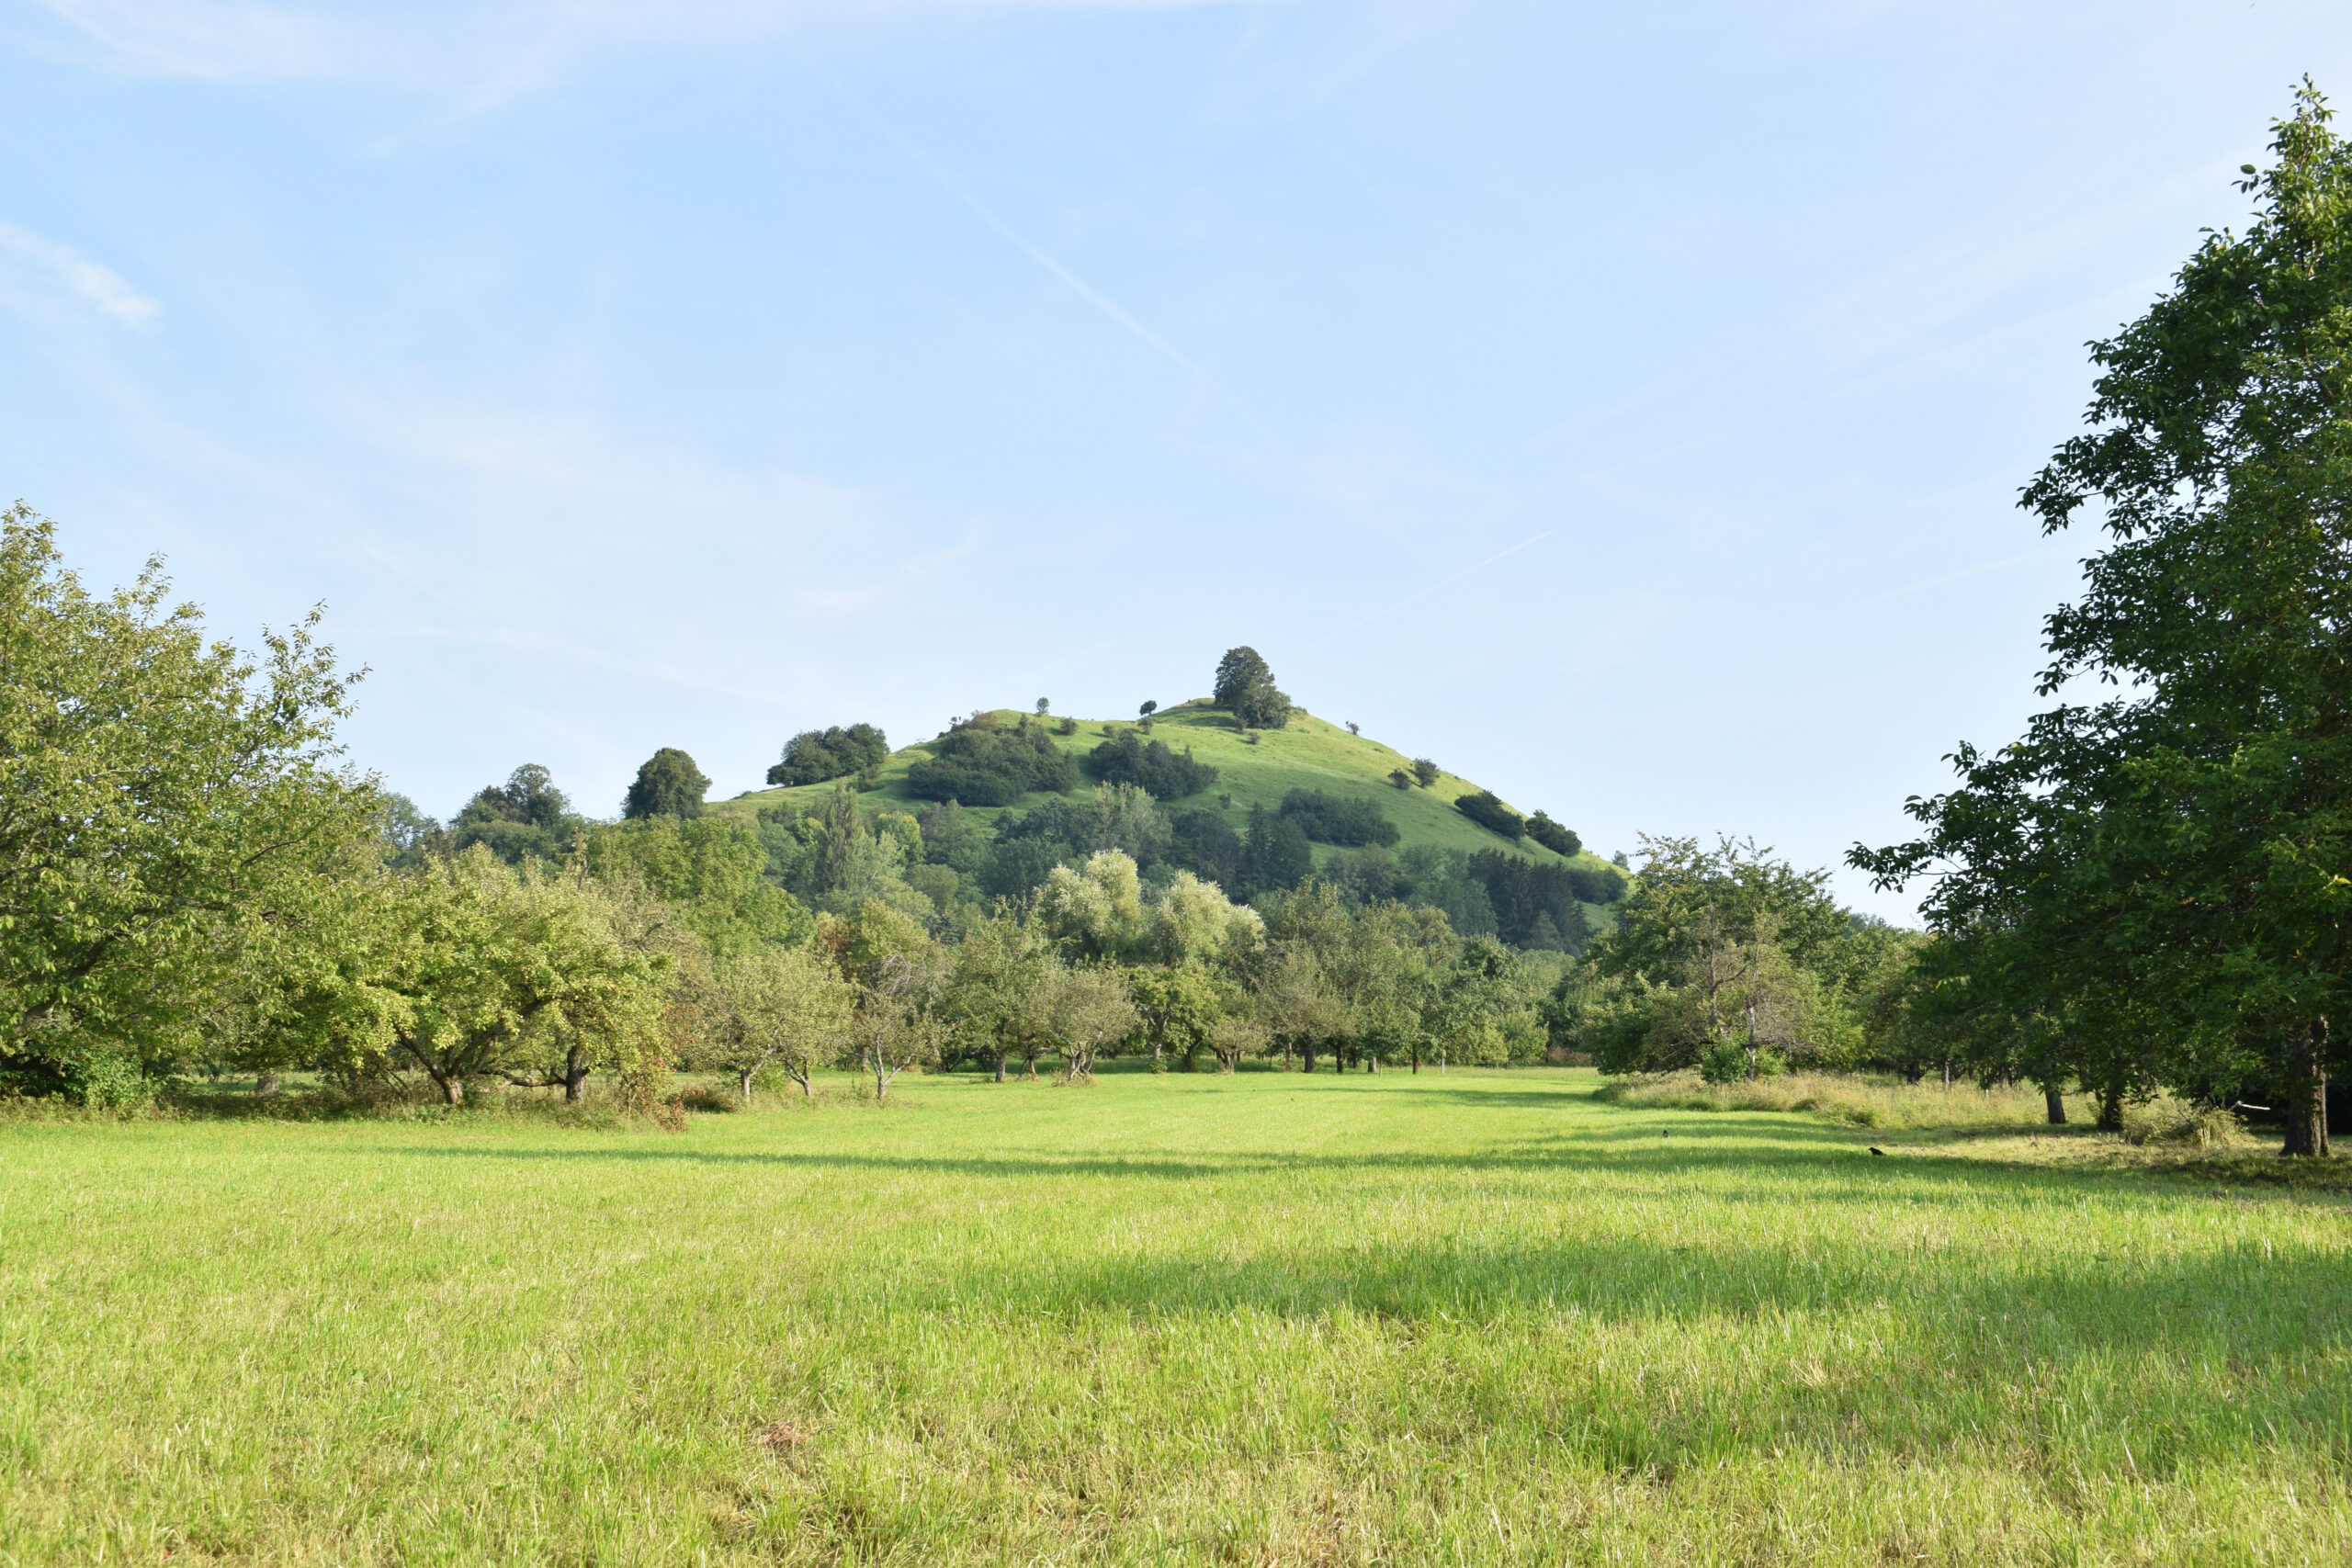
{"points": [[1876, 1150]]}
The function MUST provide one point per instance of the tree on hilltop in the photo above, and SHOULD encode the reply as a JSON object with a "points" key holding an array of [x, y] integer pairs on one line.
{"points": [[1244, 686], [669, 784]]}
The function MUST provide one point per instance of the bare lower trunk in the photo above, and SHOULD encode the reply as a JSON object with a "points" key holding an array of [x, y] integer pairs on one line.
{"points": [[453, 1092], [2111, 1110], [1751, 1043], [999, 1066], [266, 1084], [2306, 1098], [575, 1079], [1306, 1058], [2055, 1103], [747, 1087]]}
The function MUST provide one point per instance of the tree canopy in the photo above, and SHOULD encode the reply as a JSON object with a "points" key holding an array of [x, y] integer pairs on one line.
{"points": [[669, 784], [2154, 878]]}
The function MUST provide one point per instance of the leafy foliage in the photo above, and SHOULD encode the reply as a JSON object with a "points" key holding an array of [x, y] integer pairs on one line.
{"points": [[1552, 836], [2147, 890], [980, 764], [168, 809], [1245, 685], [669, 784], [1488, 810], [1127, 758], [525, 818], [1336, 819], [817, 756]]}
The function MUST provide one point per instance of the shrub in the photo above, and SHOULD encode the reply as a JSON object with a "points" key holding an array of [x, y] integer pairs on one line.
{"points": [[983, 765], [1425, 772], [815, 756], [1552, 836], [1488, 811], [1149, 765], [1333, 819], [1401, 778]]}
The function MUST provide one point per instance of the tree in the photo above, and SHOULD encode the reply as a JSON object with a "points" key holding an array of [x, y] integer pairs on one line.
{"points": [[785, 1008], [898, 1025], [998, 967], [2158, 875], [817, 756], [669, 784], [1096, 913], [1147, 709], [484, 972], [1274, 856], [1180, 1005], [1711, 939], [525, 818], [1425, 772], [164, 803], [1244, 686], [713, 870], [1192, 922], [1083, 1010]]}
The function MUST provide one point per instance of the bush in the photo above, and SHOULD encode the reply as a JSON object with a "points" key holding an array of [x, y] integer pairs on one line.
{"points": [[1486, 810], [815, 756], [1425, 772], [1333, 819], [1127, 758], [1553, 837], [980, 764]]}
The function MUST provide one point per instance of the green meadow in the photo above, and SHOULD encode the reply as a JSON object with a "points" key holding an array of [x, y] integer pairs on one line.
{"points": [[1471, 1318], [1308, 754]]}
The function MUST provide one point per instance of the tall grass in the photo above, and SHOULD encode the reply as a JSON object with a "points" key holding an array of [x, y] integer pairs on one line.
{"points": [[1859, 1102], [1477, 1318]]}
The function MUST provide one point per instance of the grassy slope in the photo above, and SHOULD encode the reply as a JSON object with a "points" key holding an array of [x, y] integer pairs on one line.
{"points": [[1311, 753], [1476, 1319]]}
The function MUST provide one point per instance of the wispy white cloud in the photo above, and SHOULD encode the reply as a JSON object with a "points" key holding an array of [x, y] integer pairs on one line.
{"points": [[61, 266], [481, 52]]}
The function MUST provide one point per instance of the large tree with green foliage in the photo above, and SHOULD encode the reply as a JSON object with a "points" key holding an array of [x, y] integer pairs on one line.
{"points": [[669, 784], [168, 807], [2163, 876], [1245, 685]]}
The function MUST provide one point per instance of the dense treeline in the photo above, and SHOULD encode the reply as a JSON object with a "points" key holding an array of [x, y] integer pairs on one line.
{"points": [[196, 884]]}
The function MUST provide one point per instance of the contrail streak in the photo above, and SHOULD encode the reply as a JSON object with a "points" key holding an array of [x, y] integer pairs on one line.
{"points": [[1429, 589], [1076, 283], [1961, 576]]}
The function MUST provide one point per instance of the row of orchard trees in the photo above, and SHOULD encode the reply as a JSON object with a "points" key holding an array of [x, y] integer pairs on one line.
{"points": [[192, 879]]}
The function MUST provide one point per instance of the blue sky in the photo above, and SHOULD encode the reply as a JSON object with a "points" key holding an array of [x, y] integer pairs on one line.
{"points": [[626, 376]]}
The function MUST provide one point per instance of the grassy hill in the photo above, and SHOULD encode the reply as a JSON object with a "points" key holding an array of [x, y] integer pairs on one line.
{"points": [[1311, 753]]}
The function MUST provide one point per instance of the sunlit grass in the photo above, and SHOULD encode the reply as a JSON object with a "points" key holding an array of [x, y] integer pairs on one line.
{"points": [[1470, 1318], [1863, 1102]]}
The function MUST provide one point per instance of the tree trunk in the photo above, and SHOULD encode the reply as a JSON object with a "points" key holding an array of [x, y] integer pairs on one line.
{"points": [[2111, 1110], [2306, 1098], [575, 1079], [747, 1087], [266, 1084], [453, 1092], [2055, 1103], [1307, 1057], [999, 1066]]}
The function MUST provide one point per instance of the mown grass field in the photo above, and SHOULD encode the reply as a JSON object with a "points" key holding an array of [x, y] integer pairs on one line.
{"points": [[1478, 1318], [1308, 753]]}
